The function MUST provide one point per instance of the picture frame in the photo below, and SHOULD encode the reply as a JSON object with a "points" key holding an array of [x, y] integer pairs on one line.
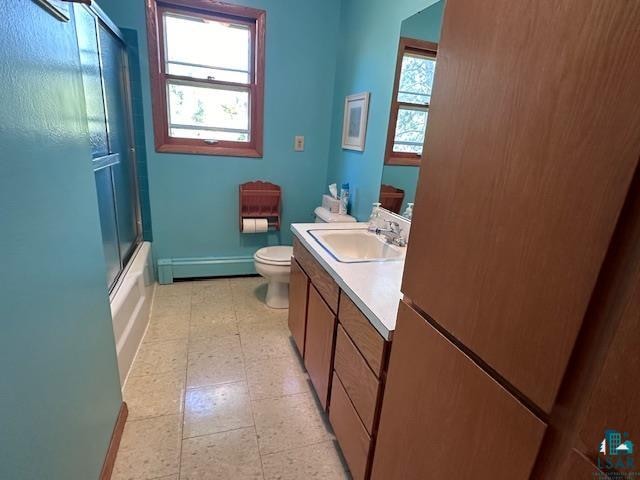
{"points": [[60, 9], [356, 116]]}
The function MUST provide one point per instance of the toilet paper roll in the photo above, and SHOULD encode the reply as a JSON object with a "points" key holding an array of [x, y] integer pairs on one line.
{"points": [[262, 225], [248, 225], [255, 225]]}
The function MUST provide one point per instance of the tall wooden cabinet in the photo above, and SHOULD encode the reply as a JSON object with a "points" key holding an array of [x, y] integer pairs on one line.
{"points": [[533, 139], [531, 150]]}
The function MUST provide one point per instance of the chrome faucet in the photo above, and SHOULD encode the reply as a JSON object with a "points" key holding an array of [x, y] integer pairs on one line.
{"points": [[392, 234]]}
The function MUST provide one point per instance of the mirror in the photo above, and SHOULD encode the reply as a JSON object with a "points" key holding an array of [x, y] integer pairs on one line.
{"points": [[415, 67]]}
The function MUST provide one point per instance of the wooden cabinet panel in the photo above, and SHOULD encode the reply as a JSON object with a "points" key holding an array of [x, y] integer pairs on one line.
{"points": [[298, 294], [579, 467], [354, 441], [527, 168], [327, 287], [443, 417], [616, 397], [357, 378], [364, 335], [318, 351]]}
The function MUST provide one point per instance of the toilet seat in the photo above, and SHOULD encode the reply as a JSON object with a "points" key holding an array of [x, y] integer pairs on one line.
{"points": [[278, 256]]}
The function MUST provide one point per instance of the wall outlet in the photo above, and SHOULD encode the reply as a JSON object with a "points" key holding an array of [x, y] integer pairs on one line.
{"points": [[299, 143]]}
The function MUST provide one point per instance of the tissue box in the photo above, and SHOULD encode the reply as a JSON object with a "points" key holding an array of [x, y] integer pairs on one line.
{"points": [[331, 204]]}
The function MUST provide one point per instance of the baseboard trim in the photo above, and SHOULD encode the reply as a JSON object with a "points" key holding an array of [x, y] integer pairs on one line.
{"points": [[172, 268], [114, 444]]}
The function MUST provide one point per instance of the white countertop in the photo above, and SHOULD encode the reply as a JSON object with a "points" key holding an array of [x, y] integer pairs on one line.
{"points": [[373, 286]]}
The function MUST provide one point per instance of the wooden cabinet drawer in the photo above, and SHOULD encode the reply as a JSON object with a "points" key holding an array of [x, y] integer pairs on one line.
{"points": [[443, 417], [298, 294], [327, 287], [358, 380], [318, 350], [364, 335], [353, 438]]}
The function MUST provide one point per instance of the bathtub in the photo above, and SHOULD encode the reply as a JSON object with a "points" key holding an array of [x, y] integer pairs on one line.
{"points": [[130, 307]]}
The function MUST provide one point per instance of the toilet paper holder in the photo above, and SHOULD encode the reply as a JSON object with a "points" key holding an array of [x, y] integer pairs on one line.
{"points": [[261, 200]]}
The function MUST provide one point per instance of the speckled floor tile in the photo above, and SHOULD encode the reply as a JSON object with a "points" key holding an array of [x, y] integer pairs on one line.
{"points": [[155, 395], [242, 369], [288, 422], [221, 326], [216, 408], [264, 341], [260, 315], [320, 461], [149, 449], [175, 289], [160, 357], [275, 377], [205, 311], [172, 305], [248, 290], [217, 291], [168, 327], [215, 361], [230, 455]]}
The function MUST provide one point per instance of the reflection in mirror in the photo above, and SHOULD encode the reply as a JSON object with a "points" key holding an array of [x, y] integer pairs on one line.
{"points": [[410, 108]]}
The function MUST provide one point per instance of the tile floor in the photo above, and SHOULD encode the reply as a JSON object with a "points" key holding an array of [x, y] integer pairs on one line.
{"points": [[218, 391]]}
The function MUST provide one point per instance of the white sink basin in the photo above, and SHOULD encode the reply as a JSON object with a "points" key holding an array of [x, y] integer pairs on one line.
{"points": [[357, 245]]}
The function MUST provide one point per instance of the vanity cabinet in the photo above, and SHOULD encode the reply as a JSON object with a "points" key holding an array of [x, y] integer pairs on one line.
{"points": [[345, 356], [319, 344], [298, 294]]}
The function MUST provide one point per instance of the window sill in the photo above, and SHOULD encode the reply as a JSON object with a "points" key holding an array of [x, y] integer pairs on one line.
{"points": [[212, 150], [408, 161]]}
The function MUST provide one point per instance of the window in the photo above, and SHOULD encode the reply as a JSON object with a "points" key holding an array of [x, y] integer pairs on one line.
{"points": [[207, 69], [411, 99]]}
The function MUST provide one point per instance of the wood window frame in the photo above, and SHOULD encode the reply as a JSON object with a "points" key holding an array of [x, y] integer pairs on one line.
{"points": [[407, 45], [256, 20]]}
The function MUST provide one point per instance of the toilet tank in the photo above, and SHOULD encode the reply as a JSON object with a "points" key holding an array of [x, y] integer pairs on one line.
{"points": [[325, 216]]}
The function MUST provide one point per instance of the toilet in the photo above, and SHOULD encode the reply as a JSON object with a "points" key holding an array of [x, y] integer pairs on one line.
{"points": [[274, 263]]}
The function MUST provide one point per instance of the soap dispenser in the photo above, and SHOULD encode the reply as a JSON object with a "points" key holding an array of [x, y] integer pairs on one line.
{"points": [[408, 213], [374, 218]]}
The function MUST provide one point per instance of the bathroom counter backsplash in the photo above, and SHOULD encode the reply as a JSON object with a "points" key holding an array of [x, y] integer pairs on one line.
{"points": [[373, 286]]}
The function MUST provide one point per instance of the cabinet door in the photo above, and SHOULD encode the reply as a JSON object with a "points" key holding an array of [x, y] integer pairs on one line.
{"points": [[531, 146], [318, 352], [445, 418], [298, 292]]}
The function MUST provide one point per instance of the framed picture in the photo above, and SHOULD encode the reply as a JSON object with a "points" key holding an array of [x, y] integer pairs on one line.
{"points": [[354, 129], [57, 8]]}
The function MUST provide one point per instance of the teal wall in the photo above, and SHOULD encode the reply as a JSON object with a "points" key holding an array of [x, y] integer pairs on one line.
{"points": [[194, 198], [59, 388], [424, 25], [370, 30]]}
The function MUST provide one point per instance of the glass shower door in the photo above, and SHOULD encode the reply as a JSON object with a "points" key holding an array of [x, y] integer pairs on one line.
{"points": [[105, 78]]}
